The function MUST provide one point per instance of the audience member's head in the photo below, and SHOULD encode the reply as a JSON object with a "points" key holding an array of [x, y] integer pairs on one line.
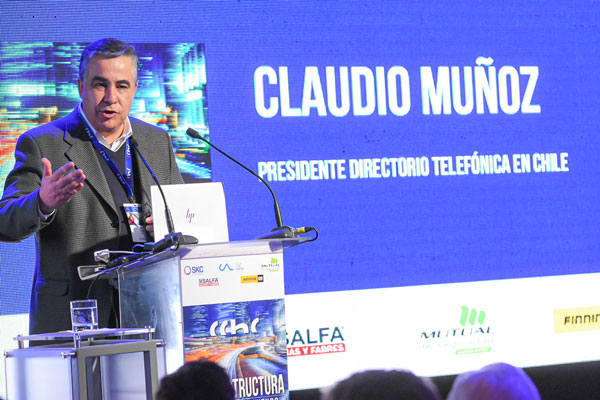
{"points": [[494, 382], [199, 380], [384, 385]]}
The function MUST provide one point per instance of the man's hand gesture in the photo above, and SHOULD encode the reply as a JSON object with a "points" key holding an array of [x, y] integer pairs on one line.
{"points": [[59, 188]]}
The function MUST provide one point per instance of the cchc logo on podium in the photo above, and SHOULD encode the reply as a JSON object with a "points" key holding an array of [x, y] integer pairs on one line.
{"points": [[231, 327]]}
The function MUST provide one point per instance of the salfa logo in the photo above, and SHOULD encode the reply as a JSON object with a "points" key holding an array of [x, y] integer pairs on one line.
{"points": [[203, 282], [471, 335], [308, 342]]}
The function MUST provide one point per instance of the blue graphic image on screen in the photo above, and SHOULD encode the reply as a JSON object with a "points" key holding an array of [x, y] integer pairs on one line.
{"points": [[38, 84]]}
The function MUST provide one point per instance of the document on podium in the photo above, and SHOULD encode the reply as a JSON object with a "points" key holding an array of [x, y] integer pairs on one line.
{"points": [[198, 209]]}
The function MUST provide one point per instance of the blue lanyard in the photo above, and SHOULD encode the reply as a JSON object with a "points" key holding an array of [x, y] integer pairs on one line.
{"points": [[127, 180]]}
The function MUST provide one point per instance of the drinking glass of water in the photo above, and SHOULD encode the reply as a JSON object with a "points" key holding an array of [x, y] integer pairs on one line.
{"points": [[84, 314]]}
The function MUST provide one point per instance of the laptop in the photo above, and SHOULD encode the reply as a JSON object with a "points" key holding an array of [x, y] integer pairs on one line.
{"points": [[198, 209]]}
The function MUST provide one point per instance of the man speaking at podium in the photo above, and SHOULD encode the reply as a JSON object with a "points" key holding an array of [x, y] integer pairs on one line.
{"points": [[71, 179]]}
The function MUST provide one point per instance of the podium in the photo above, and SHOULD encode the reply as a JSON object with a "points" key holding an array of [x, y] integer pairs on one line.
{"points": [[222, 302]]}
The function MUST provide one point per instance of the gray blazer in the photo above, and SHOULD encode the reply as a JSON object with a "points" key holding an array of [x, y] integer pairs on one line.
{"points": [[89, 222]]}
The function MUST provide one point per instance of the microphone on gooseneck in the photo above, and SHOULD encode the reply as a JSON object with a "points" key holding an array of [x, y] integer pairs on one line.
{"points": [[172, 237], [281, 231]]}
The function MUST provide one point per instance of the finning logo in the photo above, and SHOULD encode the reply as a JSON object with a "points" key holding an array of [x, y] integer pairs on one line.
{"points": [[473, 336], [231, 327], [577, 319], [472, 316], [223, 267]]}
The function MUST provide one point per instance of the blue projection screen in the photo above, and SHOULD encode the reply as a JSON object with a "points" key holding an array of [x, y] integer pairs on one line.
{"points": [[445, 152]]}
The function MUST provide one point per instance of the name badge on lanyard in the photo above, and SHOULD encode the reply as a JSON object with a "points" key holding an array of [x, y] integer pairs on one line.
{"points": [[133, 211]]}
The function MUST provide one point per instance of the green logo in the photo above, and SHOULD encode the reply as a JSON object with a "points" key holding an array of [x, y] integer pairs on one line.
{"points": [[472, 315], [274, 261]]}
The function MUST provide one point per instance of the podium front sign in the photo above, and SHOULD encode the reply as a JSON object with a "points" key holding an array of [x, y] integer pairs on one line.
{"points": [[234, 315]]}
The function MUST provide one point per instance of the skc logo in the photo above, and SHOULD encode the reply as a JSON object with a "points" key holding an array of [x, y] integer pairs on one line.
{"points": [[230, 327], [193, 269]]}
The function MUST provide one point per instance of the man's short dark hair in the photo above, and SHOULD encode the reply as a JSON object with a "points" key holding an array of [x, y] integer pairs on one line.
{"points": [[106, 48], [198, 380]]}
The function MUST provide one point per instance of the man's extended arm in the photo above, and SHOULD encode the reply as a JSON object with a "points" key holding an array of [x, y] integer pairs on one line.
{"points": [[31, 180]]}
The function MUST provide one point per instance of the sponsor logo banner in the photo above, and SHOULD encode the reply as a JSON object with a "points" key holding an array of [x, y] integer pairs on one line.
{"points": [[577, 319], [236, 278]]}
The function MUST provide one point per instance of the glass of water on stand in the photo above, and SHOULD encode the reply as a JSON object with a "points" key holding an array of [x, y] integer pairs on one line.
{"points": [[84, 314]]}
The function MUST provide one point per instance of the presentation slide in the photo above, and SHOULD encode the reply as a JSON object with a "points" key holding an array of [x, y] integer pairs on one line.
{"points": [[446, 153]]}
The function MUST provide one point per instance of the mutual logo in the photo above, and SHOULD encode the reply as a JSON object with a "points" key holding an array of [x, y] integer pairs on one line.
{"points": [[470, 316], [470, 335], [232, 327], [577, 319], [272, 265], [252, 279], [193, 269], [313, 341]]}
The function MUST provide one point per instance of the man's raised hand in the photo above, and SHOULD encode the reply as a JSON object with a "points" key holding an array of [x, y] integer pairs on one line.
{"points": [[58, 188]]}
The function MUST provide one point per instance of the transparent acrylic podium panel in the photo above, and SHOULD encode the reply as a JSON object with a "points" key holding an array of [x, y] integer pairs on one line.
{"points": [[151, 296], [151, 290]]}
